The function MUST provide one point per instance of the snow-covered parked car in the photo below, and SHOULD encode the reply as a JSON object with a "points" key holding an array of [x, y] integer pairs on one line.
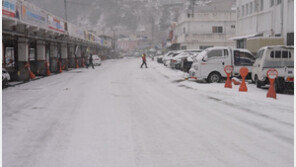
{"points": [[5, 77], [97, 60], [186, 63], [159, 59], [177, 61], [280, 58], [167, 58], [209, 64]]}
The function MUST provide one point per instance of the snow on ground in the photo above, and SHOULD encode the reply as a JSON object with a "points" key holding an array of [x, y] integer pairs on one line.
{"points": [[121, 115]]}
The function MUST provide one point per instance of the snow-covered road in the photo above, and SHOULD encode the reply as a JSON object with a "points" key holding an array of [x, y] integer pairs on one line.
{"points": [[119, 115]]}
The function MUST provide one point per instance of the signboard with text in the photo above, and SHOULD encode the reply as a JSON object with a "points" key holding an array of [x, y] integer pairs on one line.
{"points": [[55, 24], [32, 14], [10, 8]]}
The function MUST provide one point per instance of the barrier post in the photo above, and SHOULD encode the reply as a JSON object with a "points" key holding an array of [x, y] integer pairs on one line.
{"points": [[228, 70], [83, 65], [47, 68], [243, 72], [60, 65], [272, 74], [31, 74]]}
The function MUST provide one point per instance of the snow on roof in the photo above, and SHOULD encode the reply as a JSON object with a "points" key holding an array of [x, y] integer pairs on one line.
{"points": [[244, 37]]}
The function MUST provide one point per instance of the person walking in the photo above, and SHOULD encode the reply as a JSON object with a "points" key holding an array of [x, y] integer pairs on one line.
{"points": [[144, 60], [90, 61]]}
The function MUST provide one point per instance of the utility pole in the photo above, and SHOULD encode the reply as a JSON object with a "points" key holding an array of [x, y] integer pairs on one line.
{"points": [[191, 15], [65, 6], [152, 31]]}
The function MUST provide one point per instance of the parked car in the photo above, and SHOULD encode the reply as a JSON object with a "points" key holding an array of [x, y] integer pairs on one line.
{"points": [[159, 59], [210, 63], [97, 60], [167, 58], [280, 58], [177, 61], [5, 77], [186, 62]]}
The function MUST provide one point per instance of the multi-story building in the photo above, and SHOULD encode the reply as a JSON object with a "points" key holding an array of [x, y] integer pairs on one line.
{"points": [[264, 22], [206, 24]]}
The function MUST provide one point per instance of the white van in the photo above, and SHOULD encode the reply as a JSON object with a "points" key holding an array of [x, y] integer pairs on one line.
{"points": [[209, 64], [280, 58]]}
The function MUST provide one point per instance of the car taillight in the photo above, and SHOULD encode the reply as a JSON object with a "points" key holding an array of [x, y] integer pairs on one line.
{"points": [[173, 60], [290, 79]]}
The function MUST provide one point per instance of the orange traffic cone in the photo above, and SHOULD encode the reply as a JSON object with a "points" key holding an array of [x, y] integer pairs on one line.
{"points": [[31, 74], [83, 65], [60, 64], [271, 91], [272, 75], [228, 70], [47, 68], [244, 72]]}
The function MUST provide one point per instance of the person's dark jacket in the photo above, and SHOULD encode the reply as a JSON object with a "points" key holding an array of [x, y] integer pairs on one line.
{"points": [[90, 59]]}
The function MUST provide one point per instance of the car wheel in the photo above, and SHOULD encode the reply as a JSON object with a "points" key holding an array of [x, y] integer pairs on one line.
{"points": [[214, 77]]}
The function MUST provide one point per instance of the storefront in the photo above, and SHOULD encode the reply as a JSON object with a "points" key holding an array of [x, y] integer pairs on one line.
{"points": [[9, 55]]}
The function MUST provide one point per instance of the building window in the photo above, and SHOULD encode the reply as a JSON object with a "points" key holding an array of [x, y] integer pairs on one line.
{"points": [[184, 30], [247, 9], [243, 10], [262, 5], [232, 26], [217, 29], [279, 1], [271, 3], [251, 8]]}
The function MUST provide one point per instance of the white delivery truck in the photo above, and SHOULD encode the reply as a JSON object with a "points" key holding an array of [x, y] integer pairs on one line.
{"points": [[209, 64], [280, 58]]}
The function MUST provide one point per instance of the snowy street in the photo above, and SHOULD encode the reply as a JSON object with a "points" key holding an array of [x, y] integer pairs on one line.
{"points": [[119, 115]]}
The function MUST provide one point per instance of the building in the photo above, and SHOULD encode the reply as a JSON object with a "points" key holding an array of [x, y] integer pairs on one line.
{"points": [[36, 42], [206, 24], [264, 22]]}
